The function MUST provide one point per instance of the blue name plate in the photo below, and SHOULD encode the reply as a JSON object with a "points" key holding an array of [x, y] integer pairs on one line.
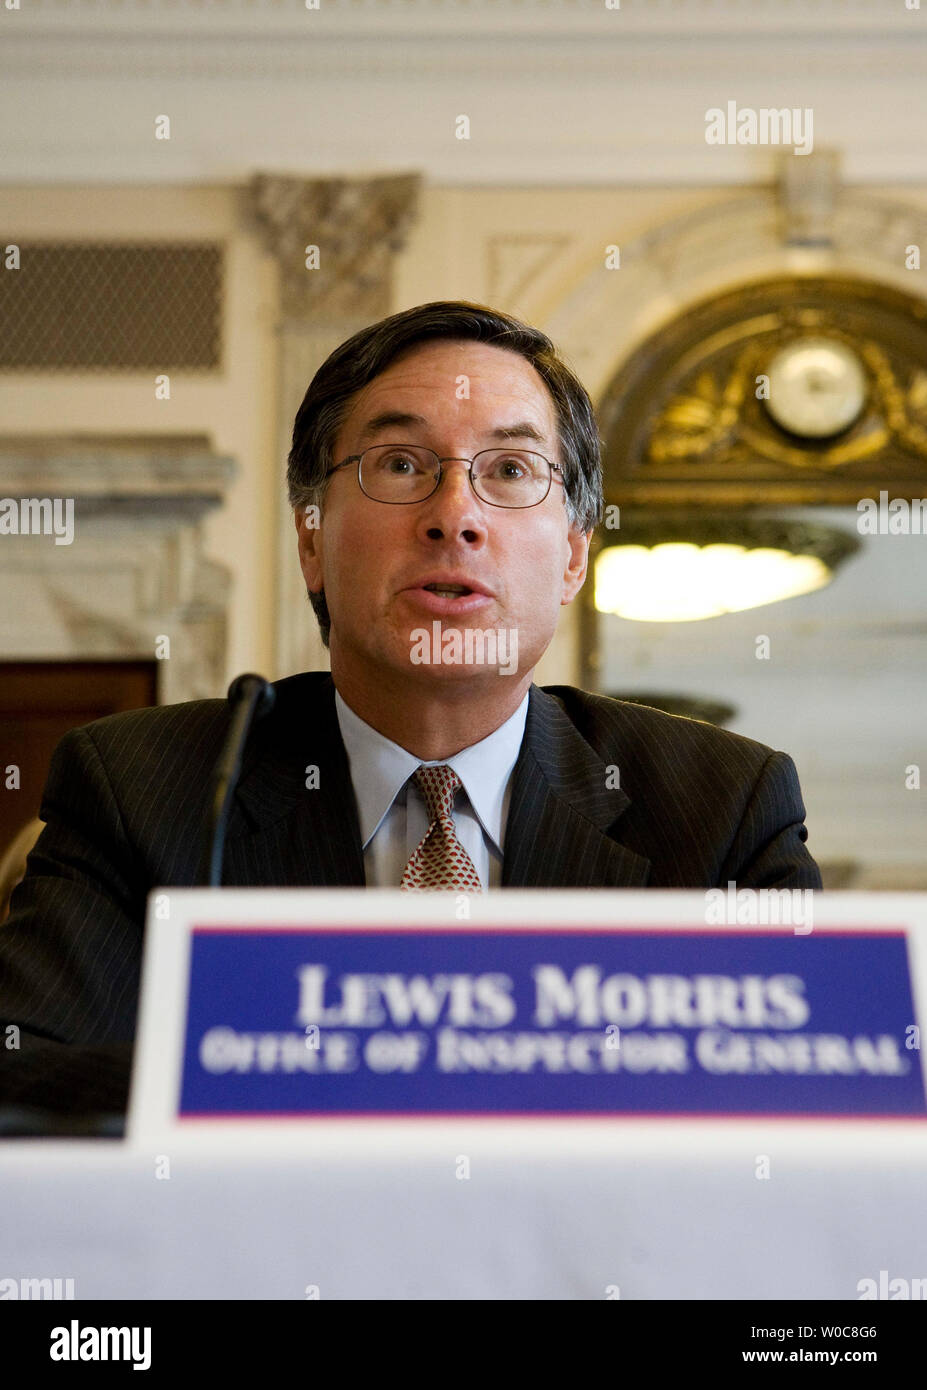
{"points": [[521, 1022]]}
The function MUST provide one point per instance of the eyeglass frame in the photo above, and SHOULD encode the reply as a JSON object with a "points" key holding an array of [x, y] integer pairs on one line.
{"points": [[451, 458]]}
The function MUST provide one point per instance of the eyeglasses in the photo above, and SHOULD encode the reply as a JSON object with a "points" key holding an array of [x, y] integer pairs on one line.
{"points": [[400, 474]]}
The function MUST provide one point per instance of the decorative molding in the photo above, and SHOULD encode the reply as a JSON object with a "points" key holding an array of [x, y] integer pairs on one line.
{"points": [[135, 569], [514, 262], [350, 17], [358, 226], [559, 91], [420, 61], [732, 240], [573, 111], [808, 191], [568, 94], [685, 425], [123, 468]]}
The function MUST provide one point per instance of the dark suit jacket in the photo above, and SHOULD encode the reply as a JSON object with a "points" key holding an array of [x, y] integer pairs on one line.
{"points": [[126, 803]]}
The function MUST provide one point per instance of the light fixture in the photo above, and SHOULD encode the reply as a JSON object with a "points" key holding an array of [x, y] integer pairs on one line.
{"points": [[684, 568]]}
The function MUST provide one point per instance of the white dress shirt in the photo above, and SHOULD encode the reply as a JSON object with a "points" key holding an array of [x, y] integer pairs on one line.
{"points": [[393, 819]]}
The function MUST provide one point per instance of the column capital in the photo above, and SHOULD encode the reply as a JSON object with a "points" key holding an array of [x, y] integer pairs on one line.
{"points": [[357, 224]]}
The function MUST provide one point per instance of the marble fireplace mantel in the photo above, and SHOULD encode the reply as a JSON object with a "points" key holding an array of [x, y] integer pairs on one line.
{"points": [[134, 572]]}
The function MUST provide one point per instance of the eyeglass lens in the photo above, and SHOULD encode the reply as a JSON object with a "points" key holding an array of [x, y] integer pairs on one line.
{"points": [[408, 473]]}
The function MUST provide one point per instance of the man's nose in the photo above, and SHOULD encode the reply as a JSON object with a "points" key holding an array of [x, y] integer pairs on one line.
{"points": [[453, 509]]}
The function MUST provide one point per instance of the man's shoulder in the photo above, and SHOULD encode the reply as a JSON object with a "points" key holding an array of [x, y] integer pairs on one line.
{"points": [[703, 805], [641, 733]]}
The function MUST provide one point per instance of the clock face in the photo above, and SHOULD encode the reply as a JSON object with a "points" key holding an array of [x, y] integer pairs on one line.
{"points": [[817, 387]]}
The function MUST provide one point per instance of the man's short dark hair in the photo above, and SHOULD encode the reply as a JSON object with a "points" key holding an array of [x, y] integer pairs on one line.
{"points": [[368, 353]]}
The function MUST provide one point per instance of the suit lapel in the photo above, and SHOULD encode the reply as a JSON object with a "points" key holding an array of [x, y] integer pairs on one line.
{"points": [[562, 809], [560, 825], [283, 832]]}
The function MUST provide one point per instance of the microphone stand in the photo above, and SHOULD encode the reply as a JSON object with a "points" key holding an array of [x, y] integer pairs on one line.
{"points": [[251, 698]]}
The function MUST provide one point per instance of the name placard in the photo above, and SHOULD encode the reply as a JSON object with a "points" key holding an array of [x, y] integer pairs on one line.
{"points": [[318, 1005]]}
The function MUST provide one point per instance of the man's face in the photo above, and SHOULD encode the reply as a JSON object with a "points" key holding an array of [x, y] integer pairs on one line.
{"points": [[374, 559]]}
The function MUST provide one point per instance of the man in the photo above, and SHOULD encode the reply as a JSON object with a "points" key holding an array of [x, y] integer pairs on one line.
{"points": [[445, 476]]}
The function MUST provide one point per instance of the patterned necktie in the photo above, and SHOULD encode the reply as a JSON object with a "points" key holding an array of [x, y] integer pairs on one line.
{"points": [[440, 861]]}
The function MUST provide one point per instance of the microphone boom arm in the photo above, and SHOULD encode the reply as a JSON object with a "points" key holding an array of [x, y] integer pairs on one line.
{"points": [[251, 697]]}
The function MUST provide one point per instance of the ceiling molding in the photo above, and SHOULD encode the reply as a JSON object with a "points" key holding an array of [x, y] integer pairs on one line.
{"points": [[558, 91], [420, 59], [679, 19]]}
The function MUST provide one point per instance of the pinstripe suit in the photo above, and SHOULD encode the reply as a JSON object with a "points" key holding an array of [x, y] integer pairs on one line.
{"points": [[126, 802]]}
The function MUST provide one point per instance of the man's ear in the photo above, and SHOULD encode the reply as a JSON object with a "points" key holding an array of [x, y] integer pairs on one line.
{"points": [[574, 573], [309, 543]]}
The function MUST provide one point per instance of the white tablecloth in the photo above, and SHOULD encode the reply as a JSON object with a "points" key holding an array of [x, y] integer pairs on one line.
{"points": [[654, 1210]]}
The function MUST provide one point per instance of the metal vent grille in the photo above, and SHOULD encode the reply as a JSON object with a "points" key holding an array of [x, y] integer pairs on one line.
{"points": [[105, 306]]}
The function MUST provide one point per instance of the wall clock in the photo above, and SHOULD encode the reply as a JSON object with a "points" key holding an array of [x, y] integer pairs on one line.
{"points": [[817, 387]]}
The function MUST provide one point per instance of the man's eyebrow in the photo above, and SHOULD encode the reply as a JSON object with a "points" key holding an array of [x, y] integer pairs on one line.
{"points": [[401, 419], [386, 419], [523, 430]]}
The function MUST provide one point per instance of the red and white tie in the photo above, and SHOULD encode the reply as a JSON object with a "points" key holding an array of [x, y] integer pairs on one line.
{"points": [[440, 861]]}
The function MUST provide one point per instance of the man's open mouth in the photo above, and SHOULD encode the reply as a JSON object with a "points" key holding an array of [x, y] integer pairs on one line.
{"points": [[448, 590]]}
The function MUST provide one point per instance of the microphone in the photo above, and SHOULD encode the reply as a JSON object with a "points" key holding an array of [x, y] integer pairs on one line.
{"points": [[251, 697]]}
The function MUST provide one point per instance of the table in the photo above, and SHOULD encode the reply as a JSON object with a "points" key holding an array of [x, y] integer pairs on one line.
{"points": [[665, 1209]]}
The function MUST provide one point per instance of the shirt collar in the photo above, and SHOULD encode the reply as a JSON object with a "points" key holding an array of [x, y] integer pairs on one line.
{"points": [[381, 768]]}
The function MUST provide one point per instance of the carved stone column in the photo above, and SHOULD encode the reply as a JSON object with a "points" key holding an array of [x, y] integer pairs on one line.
{"points": [[358, 226]]}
